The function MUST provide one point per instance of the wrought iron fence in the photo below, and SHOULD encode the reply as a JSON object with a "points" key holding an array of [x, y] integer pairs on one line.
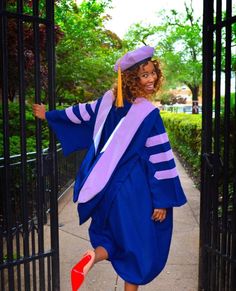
{"points": [[27, 68], [67, 168], [217, 268]]}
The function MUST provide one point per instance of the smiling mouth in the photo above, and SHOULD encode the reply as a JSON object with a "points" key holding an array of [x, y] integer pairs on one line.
{"points": [[150, 87]]}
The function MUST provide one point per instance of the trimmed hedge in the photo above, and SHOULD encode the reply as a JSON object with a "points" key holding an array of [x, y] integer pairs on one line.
{"points": [[184, 131]]}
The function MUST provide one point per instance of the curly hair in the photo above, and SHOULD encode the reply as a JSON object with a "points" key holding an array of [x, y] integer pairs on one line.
{"points": [[131, 87]]}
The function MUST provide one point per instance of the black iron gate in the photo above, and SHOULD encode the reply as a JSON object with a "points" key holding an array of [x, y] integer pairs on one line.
{"points": [[217, 270], [29, 249]]}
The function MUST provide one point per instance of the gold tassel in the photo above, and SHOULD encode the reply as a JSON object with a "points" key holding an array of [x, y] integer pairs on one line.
{"points": [[119, 97]]}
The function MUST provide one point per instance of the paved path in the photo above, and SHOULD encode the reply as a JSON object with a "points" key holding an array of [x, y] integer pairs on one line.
{"points": [[181, 271]]}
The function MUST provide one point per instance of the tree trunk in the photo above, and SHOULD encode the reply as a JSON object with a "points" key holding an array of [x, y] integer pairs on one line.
{"points": [[195, 91]]}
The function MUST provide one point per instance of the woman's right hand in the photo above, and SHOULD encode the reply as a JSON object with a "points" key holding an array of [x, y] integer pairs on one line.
{"points": [[39, 111]]}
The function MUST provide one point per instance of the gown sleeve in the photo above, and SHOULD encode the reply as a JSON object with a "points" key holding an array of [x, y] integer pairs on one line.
{"points": [[74, 125], [163, 178]]}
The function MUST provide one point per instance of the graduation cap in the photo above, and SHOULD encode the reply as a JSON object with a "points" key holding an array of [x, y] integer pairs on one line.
{"points": [[129, 61]]}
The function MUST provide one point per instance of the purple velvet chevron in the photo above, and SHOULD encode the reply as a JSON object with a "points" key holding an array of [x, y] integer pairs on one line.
{"points": [[166, 174], [157, 139], [70, 114], [161, 157], [83, 112]]}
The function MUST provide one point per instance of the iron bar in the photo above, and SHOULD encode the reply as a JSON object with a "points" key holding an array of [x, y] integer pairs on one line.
{"points": [[54, 177], [21, 261], [23, 169], [23, 17], [227, 117], [2, 279], [33, 240], [39, 184], [206, 142], [49, 273], [6, 174], [225, 257], [233, 248], [217, 149], [18, 255], [222, 23]]}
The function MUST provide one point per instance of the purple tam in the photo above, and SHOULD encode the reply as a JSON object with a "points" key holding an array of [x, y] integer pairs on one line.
{"points": [[133, 58]]}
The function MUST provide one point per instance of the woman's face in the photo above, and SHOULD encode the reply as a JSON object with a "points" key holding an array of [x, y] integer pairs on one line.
{"points": [[147, 77]]}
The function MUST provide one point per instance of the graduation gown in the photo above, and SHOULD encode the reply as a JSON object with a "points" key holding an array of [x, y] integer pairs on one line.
{"points": [[128, 171]]}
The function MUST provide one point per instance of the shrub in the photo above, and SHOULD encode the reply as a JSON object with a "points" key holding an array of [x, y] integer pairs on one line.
{"points": [[184, 132]]}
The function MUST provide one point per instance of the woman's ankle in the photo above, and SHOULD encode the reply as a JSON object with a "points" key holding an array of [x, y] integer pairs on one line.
{"points": [[130, 287]]}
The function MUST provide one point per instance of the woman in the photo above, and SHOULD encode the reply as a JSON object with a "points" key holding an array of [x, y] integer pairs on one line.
{"points": [[127, 183]]}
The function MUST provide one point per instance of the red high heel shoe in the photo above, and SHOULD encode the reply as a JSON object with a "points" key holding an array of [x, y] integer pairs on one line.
{"points": [[80, 270]]}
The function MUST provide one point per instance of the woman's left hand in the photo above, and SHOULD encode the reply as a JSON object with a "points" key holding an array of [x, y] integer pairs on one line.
{"points": [[159, 214]]}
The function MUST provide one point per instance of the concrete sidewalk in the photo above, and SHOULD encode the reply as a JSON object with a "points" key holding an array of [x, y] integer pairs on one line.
{"points": [[181, 271]]}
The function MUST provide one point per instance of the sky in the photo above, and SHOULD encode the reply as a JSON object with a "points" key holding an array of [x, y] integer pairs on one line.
{"points": [[127, 12]]}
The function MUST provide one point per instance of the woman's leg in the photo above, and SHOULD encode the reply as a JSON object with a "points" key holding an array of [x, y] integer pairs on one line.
{"points": [[80, 270], [100, 254], [130, 287]]}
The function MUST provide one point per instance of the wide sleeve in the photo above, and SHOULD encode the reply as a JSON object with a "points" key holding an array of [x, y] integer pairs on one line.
{"points": [[74, 126], [163, 178]]}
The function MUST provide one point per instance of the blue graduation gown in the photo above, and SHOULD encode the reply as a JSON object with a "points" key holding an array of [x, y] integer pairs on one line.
{"points": [[128, 171]]}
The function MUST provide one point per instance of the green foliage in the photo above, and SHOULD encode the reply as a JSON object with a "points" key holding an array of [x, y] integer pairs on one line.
{"points": [[185, 135], [222, 103], [87, 52], [233, 43], [27, 7], [232, 100], [184, 131], [15, 130], [178, 41]]}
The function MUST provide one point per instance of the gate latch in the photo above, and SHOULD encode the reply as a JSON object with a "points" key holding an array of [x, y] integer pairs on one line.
{"points": [[212, 160]]}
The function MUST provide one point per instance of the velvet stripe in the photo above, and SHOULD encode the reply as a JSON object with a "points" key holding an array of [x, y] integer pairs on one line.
{"points": [[83, 112], [156, 140], [93, 105], [161, 157], [70, 114], [103, 111], [167, 174]]}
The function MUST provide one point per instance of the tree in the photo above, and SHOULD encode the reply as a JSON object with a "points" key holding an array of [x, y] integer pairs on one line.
{"points": [[87, 51], [28, 50], [178, 44]]}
